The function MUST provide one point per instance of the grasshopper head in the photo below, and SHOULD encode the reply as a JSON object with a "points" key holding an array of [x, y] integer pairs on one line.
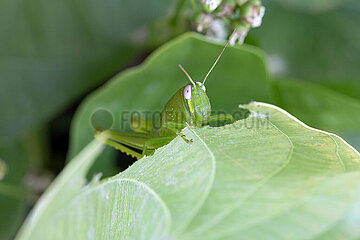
{"points": [[197, 102]]}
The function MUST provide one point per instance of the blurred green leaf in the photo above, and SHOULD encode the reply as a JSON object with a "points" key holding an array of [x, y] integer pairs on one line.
{"points": [[313, 6], [278, 179], [349, 88], [53, 52], [13, 195], [317, 47], [13, 208], [63, 189], [240, 75], [319, 106], [352, 137]]}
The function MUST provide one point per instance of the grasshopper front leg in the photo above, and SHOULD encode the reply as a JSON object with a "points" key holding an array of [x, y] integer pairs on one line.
{"points": [[183, 136], [219, 117], [174, 127]]}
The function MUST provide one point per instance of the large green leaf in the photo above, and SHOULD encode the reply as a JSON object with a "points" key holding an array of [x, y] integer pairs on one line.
{"points": [[53, 52], [265, 177], [240, 76], [241, 73]]}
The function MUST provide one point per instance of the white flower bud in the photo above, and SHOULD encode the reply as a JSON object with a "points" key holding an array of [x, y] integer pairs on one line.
{"points": [[205, 22], [217, 30], [239, 36], [257, 16], [211, 4]]}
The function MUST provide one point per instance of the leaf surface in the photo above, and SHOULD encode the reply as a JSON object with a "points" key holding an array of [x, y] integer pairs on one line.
{"points": [[265, 177]]}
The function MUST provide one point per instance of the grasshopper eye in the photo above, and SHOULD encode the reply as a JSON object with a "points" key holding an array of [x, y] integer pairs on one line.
{"points": [[187, 92], [202, 86]]}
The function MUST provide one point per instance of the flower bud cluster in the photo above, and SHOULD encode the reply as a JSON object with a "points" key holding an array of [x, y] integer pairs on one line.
{"points": [[217, 18]]}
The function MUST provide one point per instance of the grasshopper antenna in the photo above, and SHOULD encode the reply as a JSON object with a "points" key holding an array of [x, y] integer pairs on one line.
{"points": [[187, 75], [222, 51]]}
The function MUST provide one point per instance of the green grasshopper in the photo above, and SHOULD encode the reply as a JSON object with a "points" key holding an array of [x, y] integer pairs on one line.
{"points": [[190, 106]]}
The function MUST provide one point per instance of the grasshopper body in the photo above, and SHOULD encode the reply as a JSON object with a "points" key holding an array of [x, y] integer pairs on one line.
{"points": [[189, 106]]}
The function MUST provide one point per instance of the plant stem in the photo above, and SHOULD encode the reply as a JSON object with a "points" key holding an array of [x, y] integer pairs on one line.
{"points": [[194, 5], [178, 11]]}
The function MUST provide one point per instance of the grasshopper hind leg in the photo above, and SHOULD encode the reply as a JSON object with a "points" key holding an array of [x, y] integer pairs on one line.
{"points": [[123, 149], [125, 142], [153, 143], [130, 142], [141, 125]]}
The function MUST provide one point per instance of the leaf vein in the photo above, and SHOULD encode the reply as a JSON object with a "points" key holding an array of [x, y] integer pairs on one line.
{"points": [[341, 161], [211, 182], [262, 183]]}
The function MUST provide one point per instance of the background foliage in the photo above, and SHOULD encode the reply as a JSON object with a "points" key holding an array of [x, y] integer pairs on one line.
{"points": [[54, 53]]}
